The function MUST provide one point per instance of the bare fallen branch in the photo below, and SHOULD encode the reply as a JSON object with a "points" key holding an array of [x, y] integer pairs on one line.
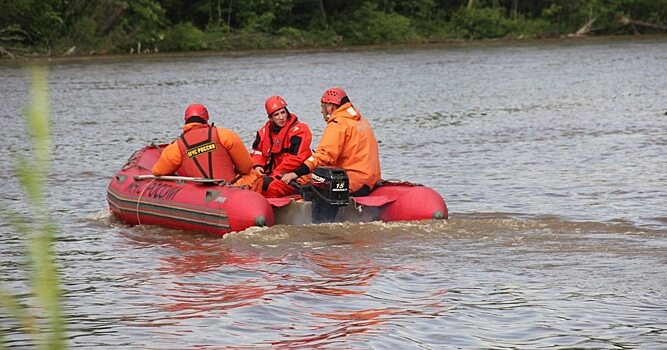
{"points": [[3, 52], [624, 20], [586, 28], [13, 34]]}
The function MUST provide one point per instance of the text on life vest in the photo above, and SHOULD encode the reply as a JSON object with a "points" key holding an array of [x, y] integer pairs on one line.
{"points": [[195, 151]]}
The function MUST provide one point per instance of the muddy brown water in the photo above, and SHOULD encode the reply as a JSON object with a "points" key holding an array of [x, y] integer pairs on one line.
{"points": [[551, 157]]}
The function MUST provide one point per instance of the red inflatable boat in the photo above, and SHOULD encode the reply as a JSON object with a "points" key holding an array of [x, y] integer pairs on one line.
{"points": [[208, 205]]}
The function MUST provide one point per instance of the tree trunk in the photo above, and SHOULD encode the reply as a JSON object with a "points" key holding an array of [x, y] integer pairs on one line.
{"points": [[515, 9], [585, 29], [631, 22], [470, 4], [210, 11], [324, 14], [105, 27], [219, 10], [229, 17]]}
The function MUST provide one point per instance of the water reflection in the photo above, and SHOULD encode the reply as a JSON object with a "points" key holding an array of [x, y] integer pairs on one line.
{"points": [[199, 256], [202, 275], [336, 275], [322, 294], [344, 324]]}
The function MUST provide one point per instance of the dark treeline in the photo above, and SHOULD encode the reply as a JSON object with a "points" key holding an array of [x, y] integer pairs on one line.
{"points": [[63, 27]]}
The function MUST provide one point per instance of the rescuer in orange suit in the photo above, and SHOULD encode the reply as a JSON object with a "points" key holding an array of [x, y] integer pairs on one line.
{"points": [[281, 145], [205, 150], [348, 142]]}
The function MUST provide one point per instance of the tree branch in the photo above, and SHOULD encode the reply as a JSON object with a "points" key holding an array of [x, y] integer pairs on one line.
{"points": [[104, 28], [585, 29], [631, 22]]}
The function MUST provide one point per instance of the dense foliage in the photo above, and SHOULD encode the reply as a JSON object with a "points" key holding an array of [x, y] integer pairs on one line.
{"points": [[107, 26]]}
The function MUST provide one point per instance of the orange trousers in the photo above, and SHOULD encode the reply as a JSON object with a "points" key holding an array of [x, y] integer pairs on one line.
{"points": [[276, 188], [252, 180]]}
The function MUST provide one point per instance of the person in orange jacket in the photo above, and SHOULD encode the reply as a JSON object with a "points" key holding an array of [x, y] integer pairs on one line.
{"points": [[205, 150], [281, 145], [348, 142]]}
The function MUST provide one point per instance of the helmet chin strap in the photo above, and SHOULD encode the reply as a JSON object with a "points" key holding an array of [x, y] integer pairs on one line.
{"points": [[329, 109]]}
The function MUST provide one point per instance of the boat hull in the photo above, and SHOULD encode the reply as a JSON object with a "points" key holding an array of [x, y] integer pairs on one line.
{"points": [[137, 198], [190, 206]]}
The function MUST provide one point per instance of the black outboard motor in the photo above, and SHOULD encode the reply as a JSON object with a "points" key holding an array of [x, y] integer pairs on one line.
{"points": [[331, 185], [330, 190]]}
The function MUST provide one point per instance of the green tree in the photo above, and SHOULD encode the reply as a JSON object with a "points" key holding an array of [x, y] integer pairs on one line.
{"points": [[115, 25], [122, 25], [368, 25], [41, 19]]}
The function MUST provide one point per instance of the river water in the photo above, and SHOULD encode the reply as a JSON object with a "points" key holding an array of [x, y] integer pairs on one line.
{"points": [[552, 158]]}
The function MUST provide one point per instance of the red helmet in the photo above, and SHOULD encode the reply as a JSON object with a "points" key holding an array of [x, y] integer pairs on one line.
{"points": [[273, 104], [196, 110], [334, 95]]}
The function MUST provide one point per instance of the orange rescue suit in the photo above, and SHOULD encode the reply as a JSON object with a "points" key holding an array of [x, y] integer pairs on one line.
{"points": [[348, 142], [282, 152], [204, 151]]}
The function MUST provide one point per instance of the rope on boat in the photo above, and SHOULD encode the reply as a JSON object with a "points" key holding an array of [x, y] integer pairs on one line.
{"points": [[139, 200], [180, 179]]}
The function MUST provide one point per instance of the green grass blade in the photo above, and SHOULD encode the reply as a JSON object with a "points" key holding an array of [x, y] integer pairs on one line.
{"points": [[39, 229]]}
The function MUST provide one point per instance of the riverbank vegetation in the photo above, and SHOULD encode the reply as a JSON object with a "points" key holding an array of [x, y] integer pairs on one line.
{"points": [[88, 27]]}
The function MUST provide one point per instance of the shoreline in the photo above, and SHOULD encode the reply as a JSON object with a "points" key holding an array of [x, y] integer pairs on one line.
{"points": [[40, 59]]}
